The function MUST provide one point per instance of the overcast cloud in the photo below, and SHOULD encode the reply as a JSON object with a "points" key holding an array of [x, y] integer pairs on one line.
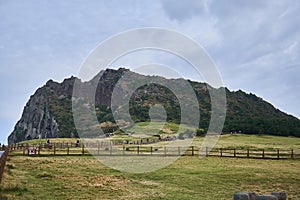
{"points": [[255, 44]]}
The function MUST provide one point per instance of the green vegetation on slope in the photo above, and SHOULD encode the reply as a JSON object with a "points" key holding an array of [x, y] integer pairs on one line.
{"points": [[246, 113], [252, 115]]}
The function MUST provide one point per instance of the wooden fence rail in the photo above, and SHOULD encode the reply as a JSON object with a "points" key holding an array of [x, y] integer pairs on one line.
{"points": [[3, 158], [109, 149]]}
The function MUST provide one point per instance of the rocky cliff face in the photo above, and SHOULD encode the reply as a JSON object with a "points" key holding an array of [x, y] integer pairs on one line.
{"points": [[39, 119], [36, 121], [48, 113]]}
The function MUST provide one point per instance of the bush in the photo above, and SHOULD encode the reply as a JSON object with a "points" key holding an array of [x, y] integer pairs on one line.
{"points": [[200, 132]]}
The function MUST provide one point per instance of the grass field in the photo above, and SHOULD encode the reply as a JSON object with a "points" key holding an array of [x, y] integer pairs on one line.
{"points": [[187, 178], [225, 141], [254, 141], [83, 177]]}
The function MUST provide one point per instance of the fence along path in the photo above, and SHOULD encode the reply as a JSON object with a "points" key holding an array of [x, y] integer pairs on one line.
{"points": [[3, 157], [110, 149]]}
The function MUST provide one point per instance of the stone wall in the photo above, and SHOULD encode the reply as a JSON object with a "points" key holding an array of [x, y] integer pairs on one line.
{"points": [[253, 196]]}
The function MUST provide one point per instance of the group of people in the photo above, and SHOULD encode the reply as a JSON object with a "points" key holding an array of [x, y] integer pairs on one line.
{"points": [[77, 143]]}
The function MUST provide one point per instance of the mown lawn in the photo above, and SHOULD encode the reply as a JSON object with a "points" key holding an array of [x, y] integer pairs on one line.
{"points": [[83, 177]]}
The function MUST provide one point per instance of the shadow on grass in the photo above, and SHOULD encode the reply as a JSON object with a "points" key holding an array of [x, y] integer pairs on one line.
{"points": [[13, 189]]}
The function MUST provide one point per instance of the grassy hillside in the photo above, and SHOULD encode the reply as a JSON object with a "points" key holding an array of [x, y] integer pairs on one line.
{"points": [[225, 141], [187, 178], [83, 177], [255, 141]]}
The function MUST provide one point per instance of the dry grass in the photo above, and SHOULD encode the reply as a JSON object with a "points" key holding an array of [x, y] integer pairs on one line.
{"points": [[83, 177], [188, 178]]}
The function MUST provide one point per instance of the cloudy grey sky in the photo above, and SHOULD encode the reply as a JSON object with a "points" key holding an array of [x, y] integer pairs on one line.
{"points": [[255, 44]]}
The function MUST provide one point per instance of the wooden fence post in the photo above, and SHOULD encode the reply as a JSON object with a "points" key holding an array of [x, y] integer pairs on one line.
{"points": [[82, 151], [3, 159], [192, 150], [138, 150], [151, 150], [221, 152], [123, 149], [277, 153], [263, 153], [248, 153], [234, 152], [68, 150], [206, 151], [98, 148], [292, 154]]}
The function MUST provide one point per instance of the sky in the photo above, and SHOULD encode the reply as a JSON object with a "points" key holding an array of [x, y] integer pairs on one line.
{"points": [[254, 44]]}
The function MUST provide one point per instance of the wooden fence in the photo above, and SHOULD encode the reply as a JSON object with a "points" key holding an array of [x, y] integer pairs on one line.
{"points": [[109, 149], [3, 158]]}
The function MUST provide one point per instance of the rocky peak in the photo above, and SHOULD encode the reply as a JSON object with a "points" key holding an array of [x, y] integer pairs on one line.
{"points": [[48, 113]]}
